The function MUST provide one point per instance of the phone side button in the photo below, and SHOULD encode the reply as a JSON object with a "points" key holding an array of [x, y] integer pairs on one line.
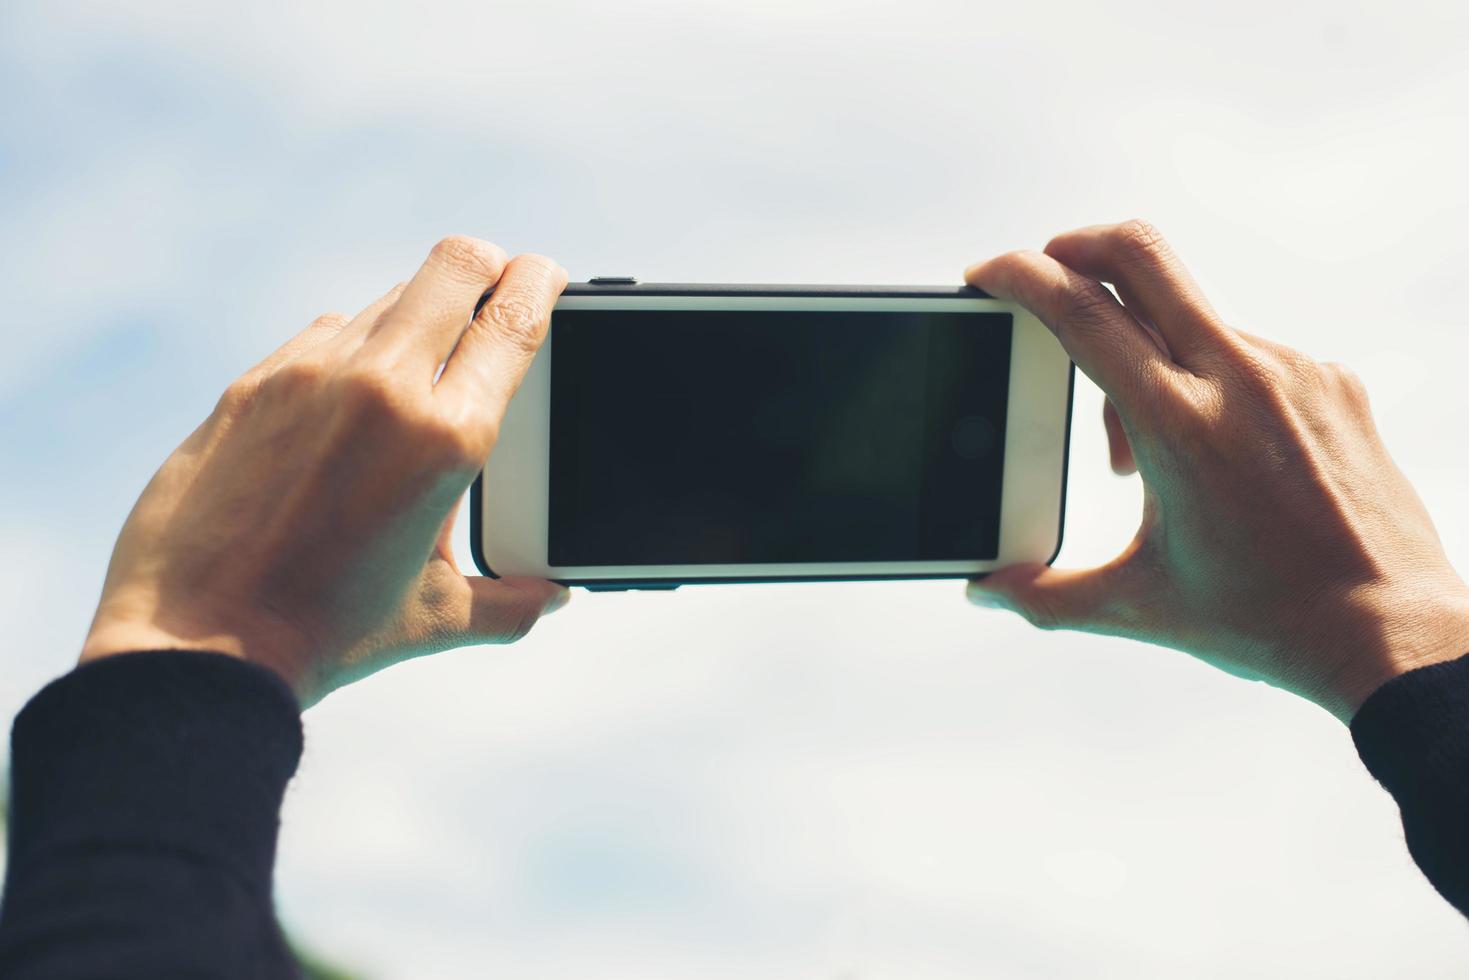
{"points": [[629, 588]]}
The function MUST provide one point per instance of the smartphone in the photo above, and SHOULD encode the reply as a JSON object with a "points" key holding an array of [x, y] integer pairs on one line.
{"points": [[670, 434]]}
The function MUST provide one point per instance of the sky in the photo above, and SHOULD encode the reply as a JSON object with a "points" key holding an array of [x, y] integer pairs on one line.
{"points": [[834, 781]]}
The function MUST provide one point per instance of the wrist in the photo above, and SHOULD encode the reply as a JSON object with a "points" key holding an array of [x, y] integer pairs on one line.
{"points": [[113, 636], [1400, 631]]}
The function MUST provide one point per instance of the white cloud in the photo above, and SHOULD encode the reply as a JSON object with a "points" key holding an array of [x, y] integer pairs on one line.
{"points": [[846, 780]]}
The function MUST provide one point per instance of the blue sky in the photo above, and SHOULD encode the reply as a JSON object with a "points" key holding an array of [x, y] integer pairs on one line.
{"points": [[819, 781]]}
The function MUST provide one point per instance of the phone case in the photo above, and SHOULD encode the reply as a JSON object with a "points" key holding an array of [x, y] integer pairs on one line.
{"points": [[626, 285]]}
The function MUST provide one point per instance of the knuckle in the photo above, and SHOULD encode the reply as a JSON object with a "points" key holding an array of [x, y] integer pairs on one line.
{"points": [[301, 373], [373, 391], [329, 322], [1140, 240], [238, 395], [472, 257], [1302, 377], [1195, 418], [1345, 380], [1260, 370], [1139, 243], [1261, 366], [451, 445], [517, 317], [1295, 364], [1267, 384]]}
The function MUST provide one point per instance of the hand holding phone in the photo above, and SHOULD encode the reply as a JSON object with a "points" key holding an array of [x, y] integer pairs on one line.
{"points": [[305, 524], [1278, 540]]}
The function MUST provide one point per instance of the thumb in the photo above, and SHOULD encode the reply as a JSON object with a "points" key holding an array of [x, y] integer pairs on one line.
{"points": [[502, 610], [1054, 598]]}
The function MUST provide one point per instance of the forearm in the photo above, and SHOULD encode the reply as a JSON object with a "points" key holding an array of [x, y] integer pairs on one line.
{"points": [[145, 801], [1413, 735]]}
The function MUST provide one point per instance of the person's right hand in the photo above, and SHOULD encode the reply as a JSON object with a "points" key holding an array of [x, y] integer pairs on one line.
{"points": [[1278, 540]]}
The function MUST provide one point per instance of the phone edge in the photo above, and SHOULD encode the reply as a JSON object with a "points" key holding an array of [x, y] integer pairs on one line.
{"points": [[476, 543]]}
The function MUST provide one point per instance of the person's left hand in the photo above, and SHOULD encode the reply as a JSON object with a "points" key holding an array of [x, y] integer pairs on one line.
{"points": [[305, 525]]}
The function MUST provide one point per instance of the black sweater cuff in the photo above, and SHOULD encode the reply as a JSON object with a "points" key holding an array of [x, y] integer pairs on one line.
{"points": [[177, 751], [1413, 736]]}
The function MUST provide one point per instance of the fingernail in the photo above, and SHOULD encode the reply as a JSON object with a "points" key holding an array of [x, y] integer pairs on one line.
{"points": [[558, 601]]}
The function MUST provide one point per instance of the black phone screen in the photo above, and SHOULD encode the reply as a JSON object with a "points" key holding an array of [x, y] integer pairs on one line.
{"points": [[688, 437]]}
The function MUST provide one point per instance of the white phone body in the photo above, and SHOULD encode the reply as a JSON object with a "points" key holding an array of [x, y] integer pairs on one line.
{"points": [[511, 499]]}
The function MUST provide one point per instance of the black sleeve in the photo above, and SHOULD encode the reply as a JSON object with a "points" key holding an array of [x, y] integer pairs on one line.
{"points": [[1413, 735], [145, 800]]}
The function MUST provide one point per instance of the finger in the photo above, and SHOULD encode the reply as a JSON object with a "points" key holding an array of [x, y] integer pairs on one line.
{"points": [[429, 317], [1135, 257], [492, 358], [1134, 306], [243, 390], [325, 331], [1118, 446], [1054, 598], [1275, 348], [350, 337], [318, 332], [503, 610], [1101, 337]]}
